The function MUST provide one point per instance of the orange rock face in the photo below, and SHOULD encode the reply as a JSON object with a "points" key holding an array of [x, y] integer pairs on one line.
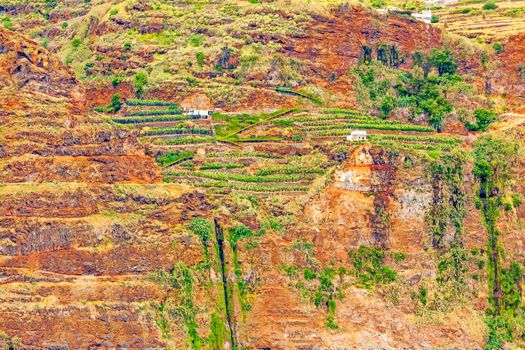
{"points": [[85, 221], [509, 76], [62, 222]]}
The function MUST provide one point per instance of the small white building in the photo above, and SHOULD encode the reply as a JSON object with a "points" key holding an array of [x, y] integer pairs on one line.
{"points": [[201, 113], [425, 16], [357, 135], [442, 3]]}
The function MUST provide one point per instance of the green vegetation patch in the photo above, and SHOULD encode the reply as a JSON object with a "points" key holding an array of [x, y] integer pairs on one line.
{"points": [[171, 158], [369, 268]]}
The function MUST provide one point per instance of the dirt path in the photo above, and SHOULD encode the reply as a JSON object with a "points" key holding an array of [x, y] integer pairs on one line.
{"points": [[508, 121]]}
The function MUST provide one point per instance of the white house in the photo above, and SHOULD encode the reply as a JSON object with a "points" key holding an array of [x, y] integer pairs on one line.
{"points": [[201, 113], [442, 3], [425, 16], [357, 135]]}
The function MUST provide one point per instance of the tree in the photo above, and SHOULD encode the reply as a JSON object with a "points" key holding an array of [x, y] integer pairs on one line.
{"points": [[115, 104], [484, 118], [139, 81], [423, 61], [444, 61]]}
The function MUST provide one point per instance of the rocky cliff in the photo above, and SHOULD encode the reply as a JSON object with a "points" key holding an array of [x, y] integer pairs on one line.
{"points": [[357, 245]]}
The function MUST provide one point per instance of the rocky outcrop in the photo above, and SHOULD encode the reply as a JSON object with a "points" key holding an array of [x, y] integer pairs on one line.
{"points": [[47, 132], [509, 75], [62, 222]]}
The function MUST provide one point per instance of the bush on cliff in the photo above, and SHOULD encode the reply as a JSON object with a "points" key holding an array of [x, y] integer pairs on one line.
{"points": [[484, 118]]}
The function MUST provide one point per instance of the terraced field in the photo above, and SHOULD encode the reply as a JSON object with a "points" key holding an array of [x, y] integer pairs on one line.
{"points": [[265, 153], [469, 19], [163, 122], [245, 171], [332, 124]]}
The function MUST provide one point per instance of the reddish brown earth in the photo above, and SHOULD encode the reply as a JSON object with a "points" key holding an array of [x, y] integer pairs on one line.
{"points": [[84, 219], [509, 76], [79, 230]]}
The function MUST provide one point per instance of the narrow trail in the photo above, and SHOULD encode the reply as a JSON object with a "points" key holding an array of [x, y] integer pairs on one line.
{"points": [[511, 120]]}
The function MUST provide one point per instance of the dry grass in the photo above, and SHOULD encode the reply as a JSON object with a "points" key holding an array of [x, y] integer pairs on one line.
{"points": [[484, 26]]}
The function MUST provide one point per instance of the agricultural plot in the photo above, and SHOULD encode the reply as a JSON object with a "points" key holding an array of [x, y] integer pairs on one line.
{"points": [[249, 172], [229, 127], [489, 25], [341, 122], [164, 123], [330, 125]]}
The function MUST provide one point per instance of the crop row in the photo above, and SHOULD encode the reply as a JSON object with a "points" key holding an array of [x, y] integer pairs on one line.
{"points": [[218, 166], [188, 140], [154, 119], [251, 187], [314, 118], [220, 176], [415, 146], [258, 139], [290, 170], [353, 120], [396, 127], [414, 138], [341, 111], [153, 113], [238, 154], [152, 103], [176, 131]]}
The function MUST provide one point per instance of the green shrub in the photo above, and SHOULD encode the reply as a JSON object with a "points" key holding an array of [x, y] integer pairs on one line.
{"points": [[139, 81], [309, 274], [247, 187], [201, 58], [196, 40], [114, 106], [289, 170], [369, 268], [422, 295], [498, 48], [443, 60], [115, 103], [484, 118], [76, 42], [203, 229], [173, 157], [490, 5], [117, 81], [378, 3]]}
